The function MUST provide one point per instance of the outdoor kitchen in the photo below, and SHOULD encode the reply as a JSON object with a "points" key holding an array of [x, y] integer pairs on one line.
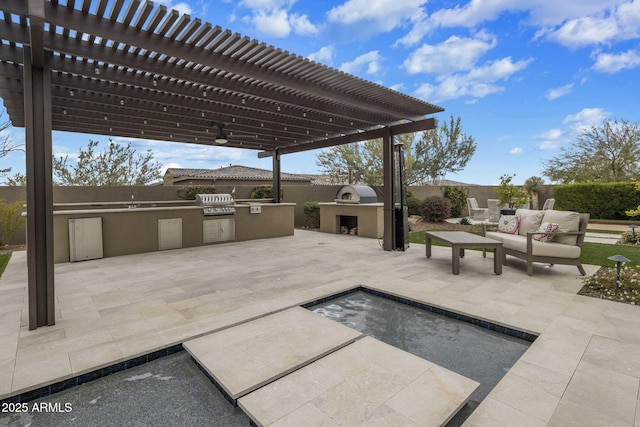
{"points": [[355, 211], [84, 231]]}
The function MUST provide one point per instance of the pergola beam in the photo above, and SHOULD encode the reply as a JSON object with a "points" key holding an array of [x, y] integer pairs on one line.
{"points": [[418, 126]]}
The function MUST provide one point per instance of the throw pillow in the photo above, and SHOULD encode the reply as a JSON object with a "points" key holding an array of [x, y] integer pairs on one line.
{"points": [[545, 227], [508, 224]]}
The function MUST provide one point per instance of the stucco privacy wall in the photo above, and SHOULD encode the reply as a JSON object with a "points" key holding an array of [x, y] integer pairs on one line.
{"points": [[292, 194]]}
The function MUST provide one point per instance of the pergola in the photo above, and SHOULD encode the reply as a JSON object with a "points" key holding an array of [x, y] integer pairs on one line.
{"points": [[131, 68]]}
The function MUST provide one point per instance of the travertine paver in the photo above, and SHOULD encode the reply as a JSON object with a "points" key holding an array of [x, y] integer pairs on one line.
{"points": [[175, 296], [250, 355], [365, 383]]}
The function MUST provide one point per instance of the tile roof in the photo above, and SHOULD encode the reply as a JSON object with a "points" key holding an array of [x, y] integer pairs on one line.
{"points": [[234, 172]]}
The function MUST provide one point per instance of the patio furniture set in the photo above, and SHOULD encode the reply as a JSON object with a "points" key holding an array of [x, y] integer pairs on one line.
{"points": [[492, 212], [544, 236]]}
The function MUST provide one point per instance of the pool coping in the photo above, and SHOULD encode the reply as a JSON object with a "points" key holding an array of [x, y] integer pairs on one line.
{"points": [[75, 381]]}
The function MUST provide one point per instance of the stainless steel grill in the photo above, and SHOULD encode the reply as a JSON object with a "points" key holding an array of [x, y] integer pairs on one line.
{"points": [[216, 204]]}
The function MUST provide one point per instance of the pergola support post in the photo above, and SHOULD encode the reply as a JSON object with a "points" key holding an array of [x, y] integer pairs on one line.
{"points": [[37, 104], [388, 190], [277, 181]]}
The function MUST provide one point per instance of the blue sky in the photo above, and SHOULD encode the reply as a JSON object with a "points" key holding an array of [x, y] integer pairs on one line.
{"points": [[525, 76]]}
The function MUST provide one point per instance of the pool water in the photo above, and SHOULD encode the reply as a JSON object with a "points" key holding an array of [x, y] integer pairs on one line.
{"points": [[170, 391], [475, 352]]}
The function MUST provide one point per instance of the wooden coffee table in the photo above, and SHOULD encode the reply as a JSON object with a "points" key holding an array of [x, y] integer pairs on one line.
{"points": [[461, 240]]}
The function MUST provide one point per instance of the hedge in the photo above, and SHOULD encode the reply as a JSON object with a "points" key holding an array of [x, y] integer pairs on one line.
{"points": [[601, 200]]}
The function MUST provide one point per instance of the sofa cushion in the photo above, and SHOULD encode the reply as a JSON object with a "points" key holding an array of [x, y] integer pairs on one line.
{"points": [[508, 224], [545, 227], [548, 249], [530, 220], [567, 221]]}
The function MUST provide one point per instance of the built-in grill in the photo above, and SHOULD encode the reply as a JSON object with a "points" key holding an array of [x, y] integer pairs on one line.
{"points": [[216, 204], [356, 194]]}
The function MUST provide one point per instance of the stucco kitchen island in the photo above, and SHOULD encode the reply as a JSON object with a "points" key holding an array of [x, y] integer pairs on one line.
{"points": [[83, 232]]}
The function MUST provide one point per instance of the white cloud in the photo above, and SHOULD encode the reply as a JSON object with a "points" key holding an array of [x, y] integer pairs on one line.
{"points": [[577, 123], [612, 63], [302, 26], [267, 4], [477, 83], [397, 87], [586, 118], [570, 23], [454, 54], [171, 165], [274, 18], [324, 55], [370, 61], [558, 92], [190, 155], [584, 32], [516, 150], [273, 23], [469, 16], [181, 7], [613, 22], [384, 14], [551, 139]]}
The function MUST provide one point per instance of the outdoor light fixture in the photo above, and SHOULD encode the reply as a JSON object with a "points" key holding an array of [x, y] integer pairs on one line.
{"points": [[122, 101], [619, 259], [633, 231], [71, 92], [221, 137]]}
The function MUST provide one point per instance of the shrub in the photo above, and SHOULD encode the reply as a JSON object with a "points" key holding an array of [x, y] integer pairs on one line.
{"points": [[413, 204], [511, 195], [604, 281], [190, 192], [465, 221], [11, 220], [264, 192], [312, 214], [629, 238], [458, 198], [435, 209]]}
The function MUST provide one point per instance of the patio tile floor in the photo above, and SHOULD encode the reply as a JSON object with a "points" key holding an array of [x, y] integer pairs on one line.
{"points": [[114, 309]]}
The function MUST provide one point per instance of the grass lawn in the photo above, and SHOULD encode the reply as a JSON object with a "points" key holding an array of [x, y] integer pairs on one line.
{"points": [[4, 260], [592, 253]]}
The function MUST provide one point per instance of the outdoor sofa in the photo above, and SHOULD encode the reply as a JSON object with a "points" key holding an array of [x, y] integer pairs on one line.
{"points": [[547, 236]]}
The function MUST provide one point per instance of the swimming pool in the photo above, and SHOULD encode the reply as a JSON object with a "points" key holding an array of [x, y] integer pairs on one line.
{"points": [[467, 349], [169, 391]]}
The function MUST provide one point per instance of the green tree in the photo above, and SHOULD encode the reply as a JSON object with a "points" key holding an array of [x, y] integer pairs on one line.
{"points": [[433, 155], [534, 185], [609, 152], [17, 180], [116, 165], [7, 145], [363, 160], [443, 150]]}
